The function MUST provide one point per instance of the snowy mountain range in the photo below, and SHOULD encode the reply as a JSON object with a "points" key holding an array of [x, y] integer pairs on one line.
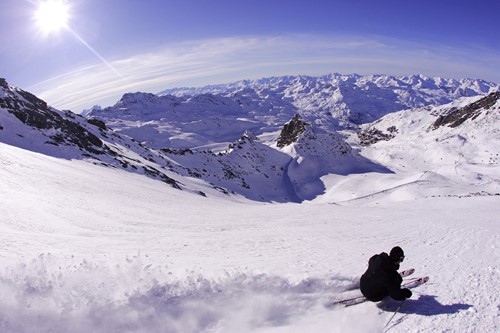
{"points": [[280, 139], [154, 215], [349, 99]]}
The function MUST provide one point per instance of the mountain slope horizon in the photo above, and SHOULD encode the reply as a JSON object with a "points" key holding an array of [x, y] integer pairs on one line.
{"points": [[95, 238], [234, 142], [354, 98], [185, 117]]}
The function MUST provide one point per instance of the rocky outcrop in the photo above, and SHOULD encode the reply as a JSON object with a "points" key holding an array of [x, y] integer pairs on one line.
{"points": [[35, 113], [3, 83], [291, 131], [373, 135], [34, 125], [471, 111]]}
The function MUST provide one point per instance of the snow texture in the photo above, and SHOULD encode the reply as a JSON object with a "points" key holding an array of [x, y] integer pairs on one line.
{"points": [[112, 235]]}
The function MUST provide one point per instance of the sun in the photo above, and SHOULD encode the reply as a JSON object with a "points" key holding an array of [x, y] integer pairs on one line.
{"points": [[52, 15]]}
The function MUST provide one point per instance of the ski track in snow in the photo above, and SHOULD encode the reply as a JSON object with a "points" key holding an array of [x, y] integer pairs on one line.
{"points": [[90, 249]]}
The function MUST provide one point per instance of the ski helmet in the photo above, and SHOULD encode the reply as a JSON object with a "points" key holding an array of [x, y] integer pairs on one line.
{"points": [[397, 254]]}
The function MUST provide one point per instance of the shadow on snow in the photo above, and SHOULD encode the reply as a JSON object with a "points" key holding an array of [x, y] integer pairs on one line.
{"points": [[425, 305]]}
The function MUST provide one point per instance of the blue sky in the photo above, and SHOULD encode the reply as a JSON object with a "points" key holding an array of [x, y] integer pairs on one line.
{"points": [[117, 46]]}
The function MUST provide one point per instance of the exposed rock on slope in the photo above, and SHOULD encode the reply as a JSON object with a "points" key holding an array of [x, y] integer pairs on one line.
{"points": [[317, 153], [371, 135], [28, 122], [458, 116], [59, 129], [463, 158], [291, 131], [247, 167]]}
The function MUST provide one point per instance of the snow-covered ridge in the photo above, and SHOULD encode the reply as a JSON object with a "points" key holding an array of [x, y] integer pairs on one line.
{"points": [[426, 151], [187, 117], [460, 87], [248, 166], [350, 98], [29, 123], [238, 143], [334, 105]]}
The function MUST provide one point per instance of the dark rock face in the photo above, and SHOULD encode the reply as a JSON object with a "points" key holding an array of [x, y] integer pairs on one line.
{"points": [[97, 122], [35, 112], [291, 131], [471, 111], [66, 129], [155, 173], [374, 135], [3, 83]]}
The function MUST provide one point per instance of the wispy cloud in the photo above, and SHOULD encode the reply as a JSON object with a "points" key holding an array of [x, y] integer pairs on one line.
{"points": [[213, 61]]}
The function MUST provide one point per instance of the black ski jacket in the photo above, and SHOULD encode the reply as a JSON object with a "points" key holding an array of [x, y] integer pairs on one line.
{"points": [[381, 279]]}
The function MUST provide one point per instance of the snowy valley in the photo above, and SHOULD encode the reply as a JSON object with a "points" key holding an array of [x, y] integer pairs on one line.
{"points": [[247, 207]]}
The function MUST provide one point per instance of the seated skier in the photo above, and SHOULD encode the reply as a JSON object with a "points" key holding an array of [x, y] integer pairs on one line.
{"points": [[382, 279]]}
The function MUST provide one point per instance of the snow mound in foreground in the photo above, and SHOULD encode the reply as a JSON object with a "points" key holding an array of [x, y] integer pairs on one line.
{"points": [[135, 296]]}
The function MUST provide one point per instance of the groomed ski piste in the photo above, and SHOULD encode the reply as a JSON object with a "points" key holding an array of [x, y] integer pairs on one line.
{"points": [[92, 249]]}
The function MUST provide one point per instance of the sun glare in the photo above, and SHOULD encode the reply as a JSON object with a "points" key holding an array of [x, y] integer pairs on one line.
{"points": [[52, 15]]}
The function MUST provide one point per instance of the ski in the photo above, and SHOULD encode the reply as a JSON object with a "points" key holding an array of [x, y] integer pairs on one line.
{"points": [[407, 272], [406, 284], [414, 283], [352, 301]]}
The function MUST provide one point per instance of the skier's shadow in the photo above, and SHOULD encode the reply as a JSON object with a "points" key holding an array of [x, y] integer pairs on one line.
{"points": [[425, 305]]}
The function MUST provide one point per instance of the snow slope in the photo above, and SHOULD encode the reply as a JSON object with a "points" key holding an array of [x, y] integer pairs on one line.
{"points": [[93, 249], [248, 166], [428, 161], [215, 116], [89, 244]]}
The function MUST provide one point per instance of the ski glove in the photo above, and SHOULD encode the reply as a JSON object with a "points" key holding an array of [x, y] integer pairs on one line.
{"points": [[407, 293]]}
